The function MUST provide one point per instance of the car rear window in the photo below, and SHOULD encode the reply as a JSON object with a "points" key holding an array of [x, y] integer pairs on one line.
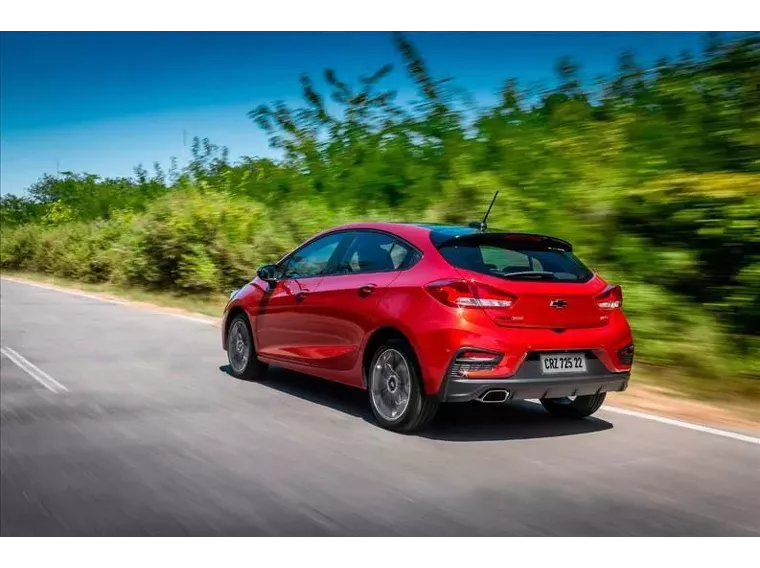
{"points": [[514, 261]]}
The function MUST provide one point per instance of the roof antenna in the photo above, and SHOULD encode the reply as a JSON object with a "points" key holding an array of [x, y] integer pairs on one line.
{"points": [[481, 225]]}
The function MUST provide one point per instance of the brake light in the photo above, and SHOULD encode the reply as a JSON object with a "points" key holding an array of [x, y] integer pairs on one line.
{"points": [[610, 299], [463, 294]]}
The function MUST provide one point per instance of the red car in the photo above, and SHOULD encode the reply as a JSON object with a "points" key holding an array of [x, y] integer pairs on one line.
{"points": [[421, 314]]}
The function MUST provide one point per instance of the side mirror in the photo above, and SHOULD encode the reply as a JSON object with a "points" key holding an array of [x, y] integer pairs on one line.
{"points": [[268, 273]]}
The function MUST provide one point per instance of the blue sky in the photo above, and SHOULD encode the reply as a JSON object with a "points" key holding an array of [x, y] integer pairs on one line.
{"points": [[104, 102]]}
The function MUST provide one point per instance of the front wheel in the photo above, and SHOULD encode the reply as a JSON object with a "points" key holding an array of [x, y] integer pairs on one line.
{"points": [[574, 407], [396, 396], [241, 351]]}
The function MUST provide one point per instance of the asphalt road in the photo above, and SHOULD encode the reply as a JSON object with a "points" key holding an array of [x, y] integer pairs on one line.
{"points": [[143, 433]]}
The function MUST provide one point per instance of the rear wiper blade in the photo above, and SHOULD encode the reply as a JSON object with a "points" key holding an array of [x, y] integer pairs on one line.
{"points": [[537, 274]]}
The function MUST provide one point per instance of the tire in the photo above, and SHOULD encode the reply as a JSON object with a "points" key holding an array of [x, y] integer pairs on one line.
{"points": [[241, 351], [577, 408], [419, 410]]}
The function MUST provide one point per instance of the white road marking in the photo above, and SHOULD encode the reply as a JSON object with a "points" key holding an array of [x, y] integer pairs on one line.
{"points": [[33, 371], [615, 409], [109, 301], [681, 424], [65, 291], [191, 318]]}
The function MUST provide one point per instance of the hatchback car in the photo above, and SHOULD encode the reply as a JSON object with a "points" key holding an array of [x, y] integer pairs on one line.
{"points": [[420, 314]]}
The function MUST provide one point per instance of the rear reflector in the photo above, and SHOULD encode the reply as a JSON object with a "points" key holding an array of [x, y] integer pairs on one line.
{"points": [[463, 294], [625, 355], [473, 360], [477, 357]]}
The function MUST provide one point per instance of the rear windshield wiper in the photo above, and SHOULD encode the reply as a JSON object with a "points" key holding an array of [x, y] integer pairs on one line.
{"points": [[529, 275]]}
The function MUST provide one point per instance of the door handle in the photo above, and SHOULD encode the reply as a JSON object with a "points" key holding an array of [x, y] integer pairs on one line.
{"points": [[366, 290], [300, 296]]}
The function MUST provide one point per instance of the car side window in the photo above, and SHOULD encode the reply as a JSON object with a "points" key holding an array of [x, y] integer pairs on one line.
{"points": [[313, 259], [373, 252]]}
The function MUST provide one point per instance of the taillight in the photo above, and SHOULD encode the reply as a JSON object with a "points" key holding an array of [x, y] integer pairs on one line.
{"points": [[610, 299], [463, 294]]}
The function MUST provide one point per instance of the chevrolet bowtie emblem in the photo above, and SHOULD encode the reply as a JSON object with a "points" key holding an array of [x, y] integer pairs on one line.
{"points": [[559, 304]]}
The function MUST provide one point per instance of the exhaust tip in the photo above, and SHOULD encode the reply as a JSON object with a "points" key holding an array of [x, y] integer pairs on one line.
{"points": [[494, 396]]}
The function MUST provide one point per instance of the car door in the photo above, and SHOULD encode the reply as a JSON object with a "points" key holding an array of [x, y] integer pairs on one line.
{"points": [[346, 300], [287, 317]]}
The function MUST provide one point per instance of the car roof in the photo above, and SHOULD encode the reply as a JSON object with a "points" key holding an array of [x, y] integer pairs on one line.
{"points": [[404, 227], [439, 233], [416, 234]]}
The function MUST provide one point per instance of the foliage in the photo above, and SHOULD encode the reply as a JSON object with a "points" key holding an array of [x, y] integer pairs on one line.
{"points": [[654, 175]]}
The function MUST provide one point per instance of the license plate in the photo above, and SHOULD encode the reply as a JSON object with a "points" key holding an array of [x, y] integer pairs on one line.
{"points": [[563, 363]]}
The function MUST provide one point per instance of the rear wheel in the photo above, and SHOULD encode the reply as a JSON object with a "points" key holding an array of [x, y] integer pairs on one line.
{"points": [[574, 407], [241, 351], [396, 396]]}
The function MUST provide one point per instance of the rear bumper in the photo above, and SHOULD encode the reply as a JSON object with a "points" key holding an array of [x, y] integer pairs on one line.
{"points": [[530, 382], [465, 390]]}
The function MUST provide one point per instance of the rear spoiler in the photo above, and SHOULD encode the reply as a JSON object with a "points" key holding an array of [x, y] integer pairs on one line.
{"points": [[522, 239]]}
